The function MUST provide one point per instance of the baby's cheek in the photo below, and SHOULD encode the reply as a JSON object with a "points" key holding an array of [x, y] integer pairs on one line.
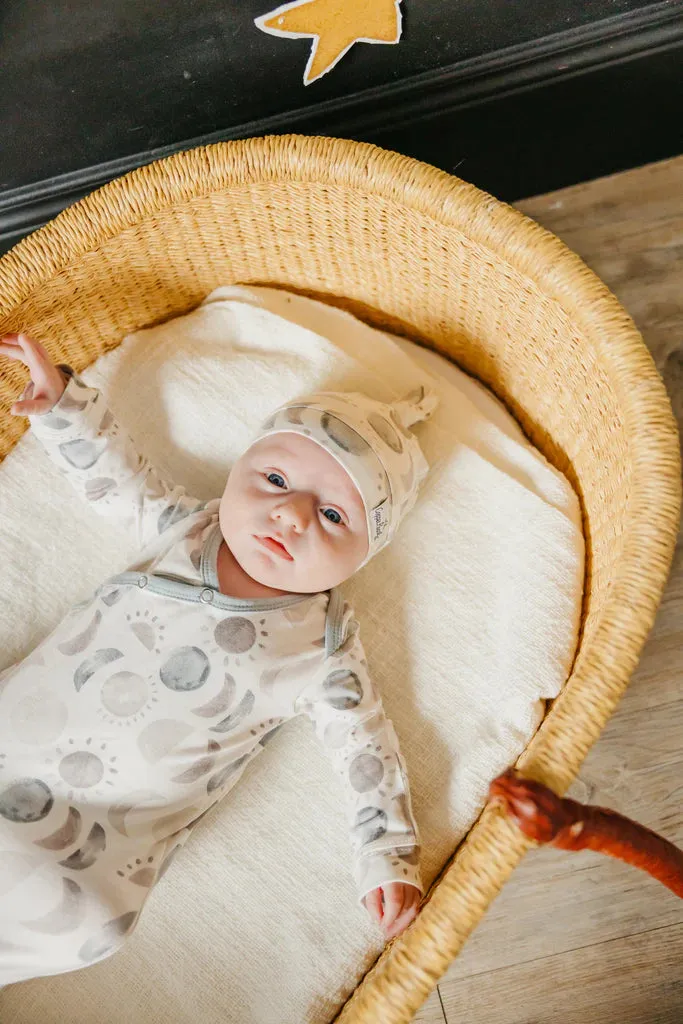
{"points": [[337, 561]]}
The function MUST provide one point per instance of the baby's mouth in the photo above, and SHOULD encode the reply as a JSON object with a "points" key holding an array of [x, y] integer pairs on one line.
{"points": [[276, 546]]}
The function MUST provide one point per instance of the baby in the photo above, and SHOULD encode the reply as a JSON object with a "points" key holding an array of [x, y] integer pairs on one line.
{"points": [[172, 676]]}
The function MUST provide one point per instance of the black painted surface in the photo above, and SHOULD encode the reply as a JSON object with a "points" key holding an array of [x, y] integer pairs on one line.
{"points": [[84, 82], [544, 138]]}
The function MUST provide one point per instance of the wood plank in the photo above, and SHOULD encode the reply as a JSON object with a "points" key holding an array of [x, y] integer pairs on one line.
{"points": [[634, 980], [431, 1012], [557, 900]]}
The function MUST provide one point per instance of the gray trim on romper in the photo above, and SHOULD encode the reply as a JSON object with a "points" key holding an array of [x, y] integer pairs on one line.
{"points": [[209, 593]]}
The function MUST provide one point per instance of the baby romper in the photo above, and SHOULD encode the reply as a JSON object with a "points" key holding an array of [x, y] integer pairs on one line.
{"points": [[146, 703]]}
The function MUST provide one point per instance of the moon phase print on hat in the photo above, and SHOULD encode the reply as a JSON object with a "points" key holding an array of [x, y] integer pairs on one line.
{"points": [[64, 836], [235, 635], [86, 856], [384, 429], [343, 436], [66, 916], [219, 704], [82, 640], [26, 801], [88, 667], [365, 772], [108, 938], [186, 668], [343, 690], [96, 489], [80, 454], [293, 415], [370, 824], [244, 708]]}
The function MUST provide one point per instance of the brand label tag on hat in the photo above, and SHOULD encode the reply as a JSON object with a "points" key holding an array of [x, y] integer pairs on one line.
{"points": [[380, 519]]}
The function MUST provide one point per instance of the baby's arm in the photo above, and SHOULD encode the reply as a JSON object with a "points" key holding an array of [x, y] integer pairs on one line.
{"points": [[84, 440], [362, 744]]}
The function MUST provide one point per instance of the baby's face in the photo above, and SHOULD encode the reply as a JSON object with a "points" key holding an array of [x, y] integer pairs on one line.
{"points": [[292, 516]]}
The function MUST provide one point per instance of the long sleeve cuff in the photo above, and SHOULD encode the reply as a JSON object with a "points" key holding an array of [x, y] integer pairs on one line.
{"points": [[67, 411], [383, 868]]}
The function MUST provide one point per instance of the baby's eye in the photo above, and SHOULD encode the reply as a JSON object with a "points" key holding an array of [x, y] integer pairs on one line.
{"points": [[276, 479], [332, 515]]}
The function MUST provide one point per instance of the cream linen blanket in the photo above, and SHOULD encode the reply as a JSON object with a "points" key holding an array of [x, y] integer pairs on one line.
{"points": [[469, 621]]}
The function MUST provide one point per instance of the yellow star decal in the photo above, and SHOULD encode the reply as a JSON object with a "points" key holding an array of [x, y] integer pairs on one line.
{"points": [[334, 26]]}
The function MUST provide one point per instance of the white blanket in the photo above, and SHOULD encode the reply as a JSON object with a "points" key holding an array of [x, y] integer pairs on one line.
{"points": [[469, 621]]}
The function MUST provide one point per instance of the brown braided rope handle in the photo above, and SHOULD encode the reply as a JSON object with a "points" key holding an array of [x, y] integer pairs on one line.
{"points": [[548, 818]]}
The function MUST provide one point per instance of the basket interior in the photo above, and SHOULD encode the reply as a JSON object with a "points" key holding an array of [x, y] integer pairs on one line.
{"points": [[400, 244]]}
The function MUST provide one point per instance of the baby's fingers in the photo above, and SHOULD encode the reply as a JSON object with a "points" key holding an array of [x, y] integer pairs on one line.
{"points": [[394, 896], [373, 905], [31, 407], [12, 351], [402, 921]]}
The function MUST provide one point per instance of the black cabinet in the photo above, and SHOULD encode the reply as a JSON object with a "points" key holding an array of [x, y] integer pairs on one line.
{"points": [[518, 98]]}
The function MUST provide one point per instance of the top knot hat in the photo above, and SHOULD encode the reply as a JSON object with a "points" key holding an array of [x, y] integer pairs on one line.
{"points": [[374, 444]]}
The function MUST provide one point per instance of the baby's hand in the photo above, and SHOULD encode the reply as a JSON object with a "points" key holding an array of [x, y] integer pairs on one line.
{"points": [[47, 382], [398, 908]]}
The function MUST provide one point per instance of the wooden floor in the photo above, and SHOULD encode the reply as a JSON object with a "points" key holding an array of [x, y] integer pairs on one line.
{"points": [[580, 938]]}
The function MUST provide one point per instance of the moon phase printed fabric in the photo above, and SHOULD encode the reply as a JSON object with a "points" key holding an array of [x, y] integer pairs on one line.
{"points": [[145, 705]]}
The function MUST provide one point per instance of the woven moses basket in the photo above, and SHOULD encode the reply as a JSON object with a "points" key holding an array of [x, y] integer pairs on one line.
{"points": [[421, 253]]}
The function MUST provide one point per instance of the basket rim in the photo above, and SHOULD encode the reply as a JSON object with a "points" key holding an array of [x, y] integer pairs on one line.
{"points": [[121, 203], [600, 674]]}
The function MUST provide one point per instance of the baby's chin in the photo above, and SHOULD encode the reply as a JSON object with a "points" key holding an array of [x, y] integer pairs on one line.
{"points": [[295, 579], [291, 577]]}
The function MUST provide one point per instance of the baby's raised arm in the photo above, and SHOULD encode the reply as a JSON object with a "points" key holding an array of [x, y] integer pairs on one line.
{"points": [[83, 439]]}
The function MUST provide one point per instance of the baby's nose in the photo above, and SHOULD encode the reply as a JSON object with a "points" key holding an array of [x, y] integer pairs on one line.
{"points": [[295, 511]]}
